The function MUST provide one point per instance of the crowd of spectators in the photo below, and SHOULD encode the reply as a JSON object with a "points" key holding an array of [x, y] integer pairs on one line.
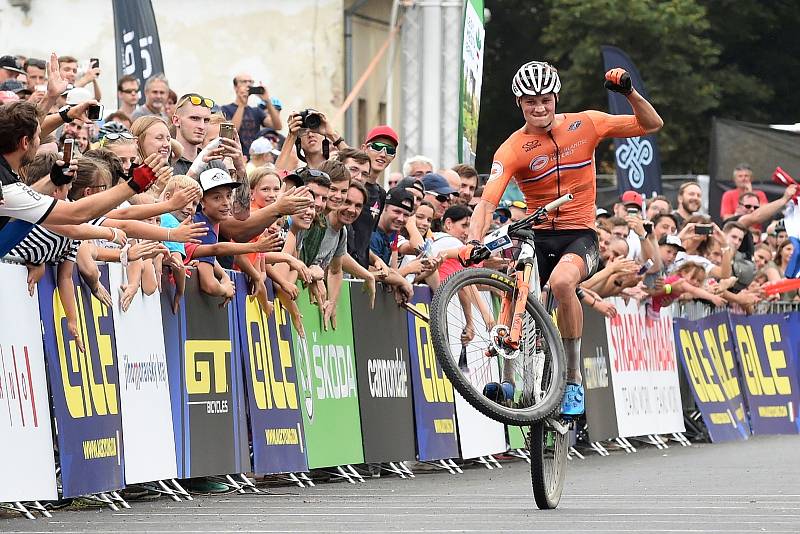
{"points": [[184, 183]]}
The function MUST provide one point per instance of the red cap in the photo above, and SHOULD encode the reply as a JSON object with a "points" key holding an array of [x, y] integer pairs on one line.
{"points": [[382, 131], [631, 197]]}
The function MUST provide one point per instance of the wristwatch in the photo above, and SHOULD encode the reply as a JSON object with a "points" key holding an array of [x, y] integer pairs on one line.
{"points": [[63, 113]]}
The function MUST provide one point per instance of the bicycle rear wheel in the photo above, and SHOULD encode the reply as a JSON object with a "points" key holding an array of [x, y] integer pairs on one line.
{"points": [[537, 369], [548, 450]]}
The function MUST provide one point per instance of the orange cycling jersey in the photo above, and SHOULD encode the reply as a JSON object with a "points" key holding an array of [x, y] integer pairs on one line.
{"points": [[543, 175]]}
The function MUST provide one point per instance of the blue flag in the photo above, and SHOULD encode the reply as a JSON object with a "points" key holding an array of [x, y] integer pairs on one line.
{"points": [[637, 162]]}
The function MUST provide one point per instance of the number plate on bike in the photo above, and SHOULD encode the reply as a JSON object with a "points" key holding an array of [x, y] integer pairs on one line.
{"points": [[497, 240]]}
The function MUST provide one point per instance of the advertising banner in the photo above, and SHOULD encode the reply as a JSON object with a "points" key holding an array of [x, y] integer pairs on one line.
{"points": [[27, 468], [769, 371], [383, 370], [706, 350], [327, 376], [601, 411], [144, 386], [137, 43], [477, 434], [85, 387], [270, 377], [637, 160], [472, 52], [644, 372], [212, 431], [434, 409]]}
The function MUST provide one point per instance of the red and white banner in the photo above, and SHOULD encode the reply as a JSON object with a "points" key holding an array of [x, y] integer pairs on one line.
{"points": [[27, 468], [644, 371]]}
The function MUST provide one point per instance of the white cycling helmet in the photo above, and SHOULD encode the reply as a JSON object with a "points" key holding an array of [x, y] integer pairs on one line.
{"points": [[535, 78]]}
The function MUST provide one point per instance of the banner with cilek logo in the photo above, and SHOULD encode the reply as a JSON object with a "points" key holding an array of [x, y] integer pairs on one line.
{"points": [[706, 350], [85, 388], [434, 408], [270, 377], [637, 161], [27, 468], [329, 392], [644, 371], [380, 338], [769, 370], [206, 390], [137, 43], [144, 386]]}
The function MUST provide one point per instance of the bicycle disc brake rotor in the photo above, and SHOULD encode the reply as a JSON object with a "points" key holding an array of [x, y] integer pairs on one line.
{"points": [[498, 345]]}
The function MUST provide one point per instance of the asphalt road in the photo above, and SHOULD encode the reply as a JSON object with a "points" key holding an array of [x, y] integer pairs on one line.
{"points": [[739, 487]]}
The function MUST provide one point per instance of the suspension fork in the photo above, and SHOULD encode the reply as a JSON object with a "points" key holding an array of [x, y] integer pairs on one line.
{"points": [[513, 310]]}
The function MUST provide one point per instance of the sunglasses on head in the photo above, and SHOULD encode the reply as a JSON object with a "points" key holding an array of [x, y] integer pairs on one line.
{"points": [[312, 172], [116, 136], [196, 100], [388, 148]]}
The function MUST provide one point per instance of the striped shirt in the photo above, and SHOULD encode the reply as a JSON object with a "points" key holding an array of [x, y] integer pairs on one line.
{"points": [[43, 246]]}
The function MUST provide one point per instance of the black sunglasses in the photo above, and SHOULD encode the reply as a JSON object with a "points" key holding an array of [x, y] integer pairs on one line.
{"points": [[443, 198]]}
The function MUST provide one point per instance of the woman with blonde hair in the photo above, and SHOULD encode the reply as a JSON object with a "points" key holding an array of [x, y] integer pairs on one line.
{"points": [[153, 137]]}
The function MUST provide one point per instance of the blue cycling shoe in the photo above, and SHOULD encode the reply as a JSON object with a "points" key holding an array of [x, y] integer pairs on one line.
{"points": [[572, 405], [499, 393]]}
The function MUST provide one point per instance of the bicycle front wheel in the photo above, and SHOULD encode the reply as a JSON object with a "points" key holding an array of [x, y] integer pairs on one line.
{"points": [[537, 369], [548, 449]]}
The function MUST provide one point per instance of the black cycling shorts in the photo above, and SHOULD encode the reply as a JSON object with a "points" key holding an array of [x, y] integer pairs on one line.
{"points": [[552, 245]]}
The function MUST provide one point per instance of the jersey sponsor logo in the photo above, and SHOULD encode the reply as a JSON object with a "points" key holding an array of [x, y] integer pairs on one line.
{"points": [[496, 171], [530, 145], [574, 126], [539, 162]]}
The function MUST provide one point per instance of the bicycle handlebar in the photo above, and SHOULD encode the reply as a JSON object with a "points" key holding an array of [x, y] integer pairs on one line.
{"points": [[557, 203]]}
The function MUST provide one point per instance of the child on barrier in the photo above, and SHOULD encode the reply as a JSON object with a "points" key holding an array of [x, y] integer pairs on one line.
{"points": [[216, 206], [686, 281]]}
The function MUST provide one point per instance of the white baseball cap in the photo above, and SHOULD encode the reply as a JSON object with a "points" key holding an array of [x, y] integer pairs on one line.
{"points": [[673, 240], [211, 178], [262, 145]]}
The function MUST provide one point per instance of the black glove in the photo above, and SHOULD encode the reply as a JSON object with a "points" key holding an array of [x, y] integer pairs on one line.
{"points": [[619, 81], [57, 175]]}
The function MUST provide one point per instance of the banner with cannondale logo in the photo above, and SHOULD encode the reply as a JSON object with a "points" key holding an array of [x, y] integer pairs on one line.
{"points": [[204, 369], [144, 385], [137, 43], [384, 374], [637, 160], [84, 384], [270, 377], [27, 468], [434, 408]]}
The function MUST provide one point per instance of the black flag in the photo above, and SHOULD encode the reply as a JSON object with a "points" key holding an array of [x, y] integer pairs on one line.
{"points": [[136, 36], [637, 162]]}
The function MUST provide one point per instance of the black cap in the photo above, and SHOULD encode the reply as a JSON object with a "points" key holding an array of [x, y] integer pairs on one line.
{"points": [[409, 182], [398, 196], [10, 63]]}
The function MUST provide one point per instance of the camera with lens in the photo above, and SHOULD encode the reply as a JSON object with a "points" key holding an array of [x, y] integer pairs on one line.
{"points": [[311, 119]]}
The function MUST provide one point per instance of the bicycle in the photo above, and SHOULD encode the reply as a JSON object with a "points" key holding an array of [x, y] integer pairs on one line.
{"points": [[521, 347]]}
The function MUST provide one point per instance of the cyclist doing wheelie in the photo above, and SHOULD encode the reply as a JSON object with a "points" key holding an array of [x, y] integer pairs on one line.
{"points": [[550, 156]]}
